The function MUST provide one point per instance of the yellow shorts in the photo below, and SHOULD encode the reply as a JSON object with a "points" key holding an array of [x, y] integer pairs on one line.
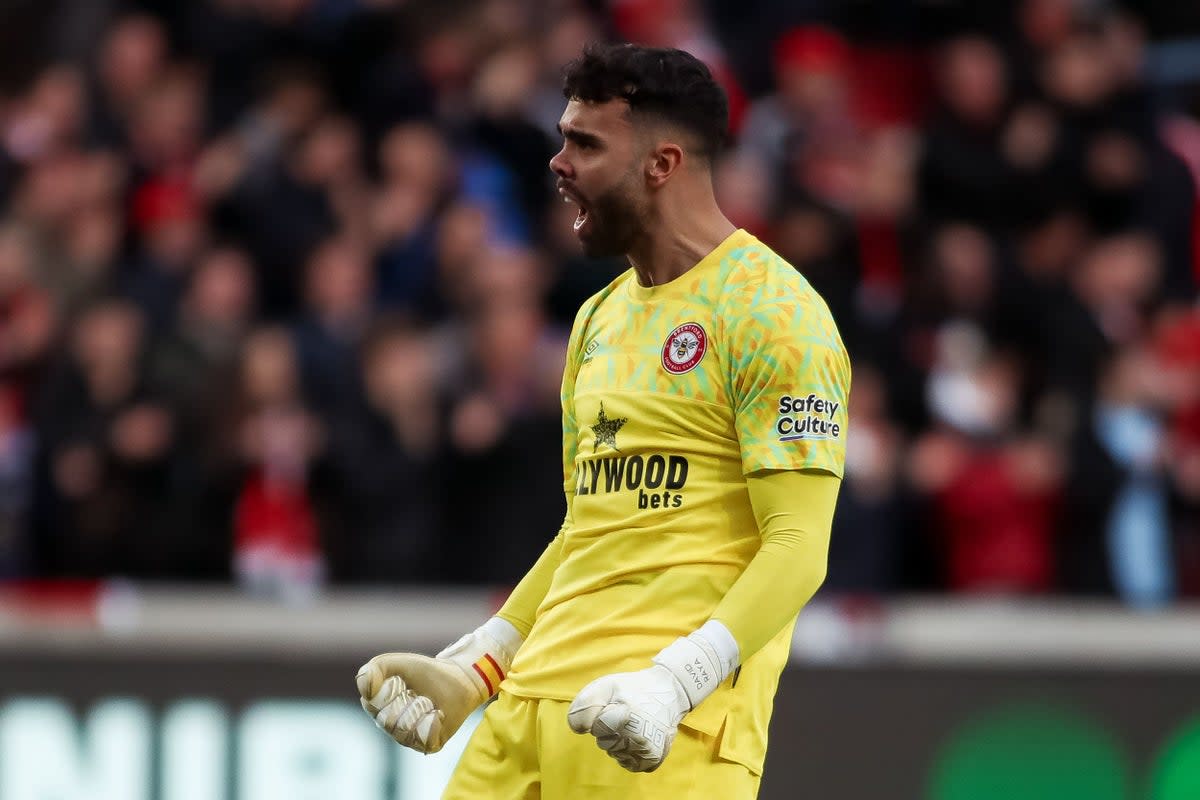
{"points": [[523, 750]]}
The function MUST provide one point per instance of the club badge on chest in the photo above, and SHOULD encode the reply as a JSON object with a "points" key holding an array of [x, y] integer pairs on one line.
{"points": [[684, 348]]}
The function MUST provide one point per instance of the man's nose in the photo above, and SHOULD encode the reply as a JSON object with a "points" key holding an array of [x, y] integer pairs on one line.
{"points": [[560, 166]]}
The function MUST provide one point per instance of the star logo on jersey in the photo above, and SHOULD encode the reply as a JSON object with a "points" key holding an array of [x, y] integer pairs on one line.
{"points": [[606, 430]]}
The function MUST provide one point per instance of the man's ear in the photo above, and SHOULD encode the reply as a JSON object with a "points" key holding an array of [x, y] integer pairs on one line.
{"points": [[665, 161]]}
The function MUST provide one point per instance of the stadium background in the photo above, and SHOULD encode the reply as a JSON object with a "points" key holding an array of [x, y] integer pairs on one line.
{"points": [[283, 297]]}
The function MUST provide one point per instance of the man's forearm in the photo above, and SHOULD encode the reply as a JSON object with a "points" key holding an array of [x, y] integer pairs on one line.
{"points": [[521, 606], [794, 511]]}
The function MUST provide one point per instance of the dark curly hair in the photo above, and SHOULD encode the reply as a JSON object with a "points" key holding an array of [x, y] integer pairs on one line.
{"points": [[670, 84]]}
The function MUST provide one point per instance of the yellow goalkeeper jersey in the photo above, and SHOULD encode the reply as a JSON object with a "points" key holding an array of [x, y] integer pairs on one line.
{"points": [[671, 396]]}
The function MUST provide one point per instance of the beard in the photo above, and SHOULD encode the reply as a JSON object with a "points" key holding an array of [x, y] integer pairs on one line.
{"points": [[614, 223]]}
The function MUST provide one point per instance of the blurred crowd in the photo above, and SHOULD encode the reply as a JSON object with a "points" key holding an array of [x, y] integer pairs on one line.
{"points": [[284, 295]]}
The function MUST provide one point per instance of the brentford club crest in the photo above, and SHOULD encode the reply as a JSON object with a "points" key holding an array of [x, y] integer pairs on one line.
{"points": [[684, 348]]}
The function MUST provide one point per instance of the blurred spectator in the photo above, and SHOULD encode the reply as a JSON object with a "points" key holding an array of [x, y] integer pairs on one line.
{"points": [[819, 241], [963, 174], [991, 489], [338, 306], [1045, 23], [993, 511], [1120, 518], [27, 320], [332, 160], [508, 173], [108, 442], [166, 123], [1043, 255], [506, 412], [743, 189], [1177, 357], [1111, 291], [27, 314], [50, 118], [282, 209], [463, 234], [195, 364], [415, 164], [172, 229], [132, 55], [277, 548], [293, 99], [810, 98], [89, 257], [871, 532], [388, 464], [191, 361], [1129, 177], [16, 488], [567, 32]]}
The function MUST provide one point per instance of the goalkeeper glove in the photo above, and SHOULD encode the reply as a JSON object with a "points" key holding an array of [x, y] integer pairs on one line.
{"points": [[634, 715], [421, 701]]}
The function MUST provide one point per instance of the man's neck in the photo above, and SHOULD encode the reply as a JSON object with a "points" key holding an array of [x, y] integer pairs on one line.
{"points": [[676, 242]]}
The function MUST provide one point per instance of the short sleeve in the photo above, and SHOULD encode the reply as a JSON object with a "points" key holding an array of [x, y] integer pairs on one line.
{"points": [[790, 382]]}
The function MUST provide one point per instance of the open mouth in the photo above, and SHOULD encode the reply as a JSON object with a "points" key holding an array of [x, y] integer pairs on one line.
{"points": [[582, 216]]}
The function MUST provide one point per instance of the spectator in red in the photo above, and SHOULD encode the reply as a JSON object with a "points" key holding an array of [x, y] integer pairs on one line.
{"points": [[277, 549], [811, 97], [173, 231], [992, 494], [1177, 347]]}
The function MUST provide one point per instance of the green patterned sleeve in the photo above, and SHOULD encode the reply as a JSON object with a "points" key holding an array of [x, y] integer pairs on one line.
{"points": [[790, 380]]}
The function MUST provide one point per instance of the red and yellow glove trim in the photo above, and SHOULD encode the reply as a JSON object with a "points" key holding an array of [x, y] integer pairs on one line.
{"points": [[490, 672]]}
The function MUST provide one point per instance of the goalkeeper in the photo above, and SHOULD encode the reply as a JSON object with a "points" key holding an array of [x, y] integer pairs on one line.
{"points": [[704, 427]]}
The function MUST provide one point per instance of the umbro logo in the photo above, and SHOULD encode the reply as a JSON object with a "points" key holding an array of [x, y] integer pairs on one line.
{"points": [[590, 350]]}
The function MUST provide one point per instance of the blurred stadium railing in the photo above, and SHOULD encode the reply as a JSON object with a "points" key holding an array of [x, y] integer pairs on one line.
{"points": [[112, 692]]}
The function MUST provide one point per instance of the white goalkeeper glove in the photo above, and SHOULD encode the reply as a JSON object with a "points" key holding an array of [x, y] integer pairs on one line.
{"points": [[634, 715], [421, 701]]}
